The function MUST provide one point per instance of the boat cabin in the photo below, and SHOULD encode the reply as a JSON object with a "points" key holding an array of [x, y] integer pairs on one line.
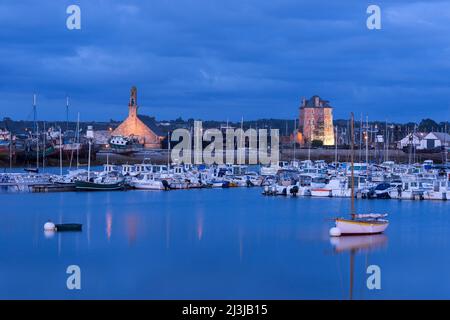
{"points": [[108, 168], [128, 169], [143, 168]]}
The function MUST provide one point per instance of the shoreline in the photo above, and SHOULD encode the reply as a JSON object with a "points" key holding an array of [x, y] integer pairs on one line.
{"points": [[160, 157]]}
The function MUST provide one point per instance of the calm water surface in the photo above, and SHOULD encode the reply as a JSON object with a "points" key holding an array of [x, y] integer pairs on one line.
{"points": [[217, 244]]}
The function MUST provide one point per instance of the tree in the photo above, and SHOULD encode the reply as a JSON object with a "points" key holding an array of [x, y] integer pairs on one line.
{"points": [[428, 125]]}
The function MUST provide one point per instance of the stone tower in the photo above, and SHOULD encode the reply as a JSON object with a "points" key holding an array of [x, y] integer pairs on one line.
{"points": [[316, 121], [132, 105]]}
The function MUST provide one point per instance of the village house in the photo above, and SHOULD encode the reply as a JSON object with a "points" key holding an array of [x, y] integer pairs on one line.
{"points": [[414, 139], [435, 140]]}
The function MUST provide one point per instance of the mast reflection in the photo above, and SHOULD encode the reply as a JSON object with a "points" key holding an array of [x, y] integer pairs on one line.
{"points": [[356, 245]]}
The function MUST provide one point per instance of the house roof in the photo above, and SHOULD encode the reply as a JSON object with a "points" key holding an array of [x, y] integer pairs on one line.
{"points": [[419, 135], [442, 136], [151, 123]]}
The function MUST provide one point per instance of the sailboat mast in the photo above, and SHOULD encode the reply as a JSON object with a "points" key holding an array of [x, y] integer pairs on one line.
{"points": [[385, 141], [335, 146], [10, 150], [43, 149], [240, 141], [67, 112], [89, 161], [352, 195], [60, 152], [34, 113], [445, 144], [310, 140], [360, 138], [367, 141], [295, 136], [36, 127], [37, 146], [168, 151], [78, 140]]}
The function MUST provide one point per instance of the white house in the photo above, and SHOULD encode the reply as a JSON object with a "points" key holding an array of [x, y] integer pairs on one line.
{"points": [[435, 140], [414, 139]]}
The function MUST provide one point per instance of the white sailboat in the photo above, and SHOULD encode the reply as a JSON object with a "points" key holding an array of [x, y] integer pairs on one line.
{"points": [[358, 224]]}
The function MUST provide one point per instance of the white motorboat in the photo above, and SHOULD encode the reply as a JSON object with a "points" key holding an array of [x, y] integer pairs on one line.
{"points": [[321, 192], [147, 181]]}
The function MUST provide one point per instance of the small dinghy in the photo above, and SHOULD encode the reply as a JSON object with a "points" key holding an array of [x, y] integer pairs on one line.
{"points": [[362, 224], [68, 227], [52, 227], [31, 170]]}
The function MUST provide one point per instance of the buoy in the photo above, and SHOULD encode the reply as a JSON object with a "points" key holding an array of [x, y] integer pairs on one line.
{"points": [[49, 233], [49, 226], [335, 232]]}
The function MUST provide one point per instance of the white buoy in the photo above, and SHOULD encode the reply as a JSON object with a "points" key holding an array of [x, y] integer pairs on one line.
{"points": [[49, 233], [49, 226], [335, 232]]}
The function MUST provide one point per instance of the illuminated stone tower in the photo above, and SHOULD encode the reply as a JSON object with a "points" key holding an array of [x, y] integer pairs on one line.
{"points": [[132, 105], [134, 126], [316, 121]]}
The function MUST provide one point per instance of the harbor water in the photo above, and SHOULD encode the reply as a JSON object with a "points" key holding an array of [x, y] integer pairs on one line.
{"points": [[218, 244]]}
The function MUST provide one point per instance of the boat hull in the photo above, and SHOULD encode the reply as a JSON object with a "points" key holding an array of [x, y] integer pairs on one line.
{"points": [[321, 193], [348, 227], [84, 185], [148, 186]]}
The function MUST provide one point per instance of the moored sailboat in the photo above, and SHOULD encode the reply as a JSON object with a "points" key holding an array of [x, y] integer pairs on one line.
{"points": [[358, 224]]}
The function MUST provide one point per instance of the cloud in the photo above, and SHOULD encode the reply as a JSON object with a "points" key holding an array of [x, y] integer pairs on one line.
{"points": [[225, 59]]}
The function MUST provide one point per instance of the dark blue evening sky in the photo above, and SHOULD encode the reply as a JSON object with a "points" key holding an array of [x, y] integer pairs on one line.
{"points": [[214, 59]]}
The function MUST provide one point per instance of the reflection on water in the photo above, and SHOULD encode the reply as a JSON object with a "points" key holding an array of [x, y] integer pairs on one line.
{"points": [[212, 244], [131, 223], [108, 225], [199, 225], [356, 244]]}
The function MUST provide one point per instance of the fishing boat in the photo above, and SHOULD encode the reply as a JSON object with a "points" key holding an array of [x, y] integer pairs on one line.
{"points": [[147, 181], [101, 181], [358, 224], [321, 192], [105, 181], [218, 183], [124, 145], [99, 185]]}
